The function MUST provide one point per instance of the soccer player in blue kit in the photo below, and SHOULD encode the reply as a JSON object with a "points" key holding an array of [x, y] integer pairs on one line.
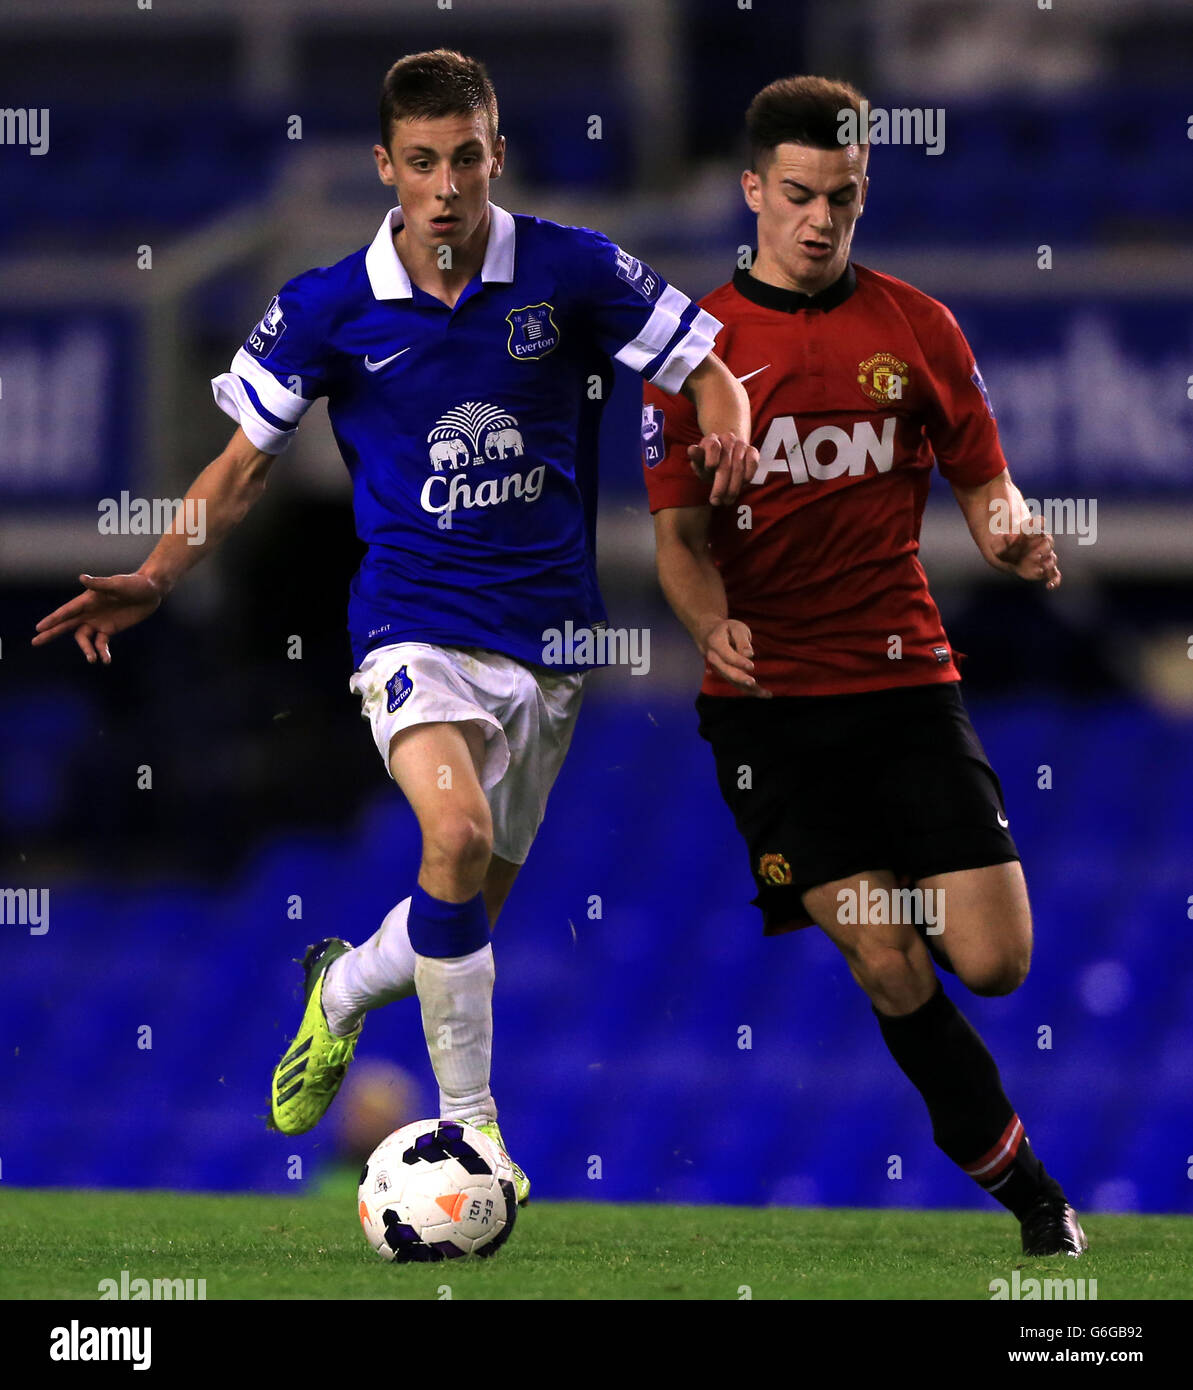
{"points": [[458, 354]]}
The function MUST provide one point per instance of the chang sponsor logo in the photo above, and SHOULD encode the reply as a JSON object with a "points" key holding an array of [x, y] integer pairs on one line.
{"points": [[470, 436], [446, 495]]}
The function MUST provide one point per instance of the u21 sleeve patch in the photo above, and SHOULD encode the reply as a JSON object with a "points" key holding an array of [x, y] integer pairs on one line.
{"points": [[268, 333], [652, 435], [637, 274]]}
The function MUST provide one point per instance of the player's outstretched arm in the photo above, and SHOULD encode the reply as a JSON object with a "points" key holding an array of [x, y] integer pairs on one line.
{"points": [[223, 493], [693, 587], [724, 454], [1010, 538]]}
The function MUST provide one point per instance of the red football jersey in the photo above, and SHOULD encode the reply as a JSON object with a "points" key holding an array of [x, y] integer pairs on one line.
{"points": [[853, 391]]}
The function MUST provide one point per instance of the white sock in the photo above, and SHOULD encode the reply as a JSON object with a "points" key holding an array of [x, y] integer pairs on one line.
{"points": [[456, 998], [376, 972]]}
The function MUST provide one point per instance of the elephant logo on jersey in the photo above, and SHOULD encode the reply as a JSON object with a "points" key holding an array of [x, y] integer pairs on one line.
{"points": [[882, 377], [474, 433], [398, 689], [454, 452], [501, 444], [533, 332], [652, 435], [773, 868], [267, 334], [471, 434]]}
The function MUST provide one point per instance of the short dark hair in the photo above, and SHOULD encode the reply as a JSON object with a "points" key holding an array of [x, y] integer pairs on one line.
{"points": [[798, 111], [440, 82]]}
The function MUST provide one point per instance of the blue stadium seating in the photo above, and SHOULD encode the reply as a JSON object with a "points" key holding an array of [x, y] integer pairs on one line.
{"points": [[619, 1035], [1013, 173]]}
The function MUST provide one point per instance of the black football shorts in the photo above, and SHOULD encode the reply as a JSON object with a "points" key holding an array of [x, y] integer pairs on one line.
{"points": [[827, 786]]}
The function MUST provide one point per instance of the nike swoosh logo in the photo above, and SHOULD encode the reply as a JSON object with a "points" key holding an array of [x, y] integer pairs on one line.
{"points": [[376, 366], [1003, 821], [755, 372]]}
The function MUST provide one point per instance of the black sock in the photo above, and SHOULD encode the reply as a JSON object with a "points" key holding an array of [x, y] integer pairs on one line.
{"points": [[973, 1122]]}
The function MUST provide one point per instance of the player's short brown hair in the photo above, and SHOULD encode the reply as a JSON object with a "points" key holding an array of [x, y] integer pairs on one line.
{"points": [[440, 82], [798, 111]]}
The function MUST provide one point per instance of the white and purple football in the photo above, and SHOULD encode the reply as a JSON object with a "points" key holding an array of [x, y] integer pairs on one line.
{"points": [[436, 1190]]}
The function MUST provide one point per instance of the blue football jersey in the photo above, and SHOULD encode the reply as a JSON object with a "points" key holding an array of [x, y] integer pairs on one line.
{"points": [[470, 434]]}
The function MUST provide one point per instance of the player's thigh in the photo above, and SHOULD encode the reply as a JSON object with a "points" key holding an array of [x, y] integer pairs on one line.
{"points": [[886, 958], [437, 766], [538, 722], [987, 929]]}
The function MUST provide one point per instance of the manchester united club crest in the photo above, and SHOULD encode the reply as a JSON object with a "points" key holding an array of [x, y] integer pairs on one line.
{"points": [[882, 377], [533, 332], [773, 868]]}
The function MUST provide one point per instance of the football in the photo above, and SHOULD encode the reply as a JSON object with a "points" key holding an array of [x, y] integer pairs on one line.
{"points": [[436, 1190]]}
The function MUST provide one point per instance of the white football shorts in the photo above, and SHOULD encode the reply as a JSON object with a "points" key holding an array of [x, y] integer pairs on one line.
{"points": [[527, 715]]}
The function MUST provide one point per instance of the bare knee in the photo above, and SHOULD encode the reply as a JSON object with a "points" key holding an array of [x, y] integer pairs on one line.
{"points": [[896, 981], [458, 842], [995, 975]]}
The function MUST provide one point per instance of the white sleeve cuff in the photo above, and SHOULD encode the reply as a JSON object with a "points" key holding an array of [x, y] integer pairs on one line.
{"points": [[233, 400], [688, 353], [285, 404], [656, 332]]}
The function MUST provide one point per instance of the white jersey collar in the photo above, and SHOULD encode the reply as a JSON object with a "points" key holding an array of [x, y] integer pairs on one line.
{"points": [[387, 275]]}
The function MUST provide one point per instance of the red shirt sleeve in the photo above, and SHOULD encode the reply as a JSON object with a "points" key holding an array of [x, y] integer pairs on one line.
{"points": [[960, 425], [669, 426]]}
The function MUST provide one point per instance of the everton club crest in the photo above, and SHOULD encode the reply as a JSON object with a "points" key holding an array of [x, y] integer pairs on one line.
{"points": [[398, 688], [533, 332]]}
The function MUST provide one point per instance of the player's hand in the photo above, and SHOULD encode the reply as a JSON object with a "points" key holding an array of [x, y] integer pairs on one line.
{"points": [[728, 461], [108, 606], [725, 644], [1030, 555]]}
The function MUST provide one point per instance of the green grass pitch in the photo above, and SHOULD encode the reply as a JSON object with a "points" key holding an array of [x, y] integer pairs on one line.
{"points": [[56, 1244]]}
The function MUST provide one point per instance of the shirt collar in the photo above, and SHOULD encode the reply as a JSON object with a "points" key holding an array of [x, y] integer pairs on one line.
{"points": [[387, 275], [792, 301]]}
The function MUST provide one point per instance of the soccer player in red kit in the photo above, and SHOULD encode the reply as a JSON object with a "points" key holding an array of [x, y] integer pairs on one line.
{"points": [[830, 694]]}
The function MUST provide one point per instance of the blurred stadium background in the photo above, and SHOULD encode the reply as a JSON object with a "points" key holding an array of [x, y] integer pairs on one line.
{"points": [[172, 129]]}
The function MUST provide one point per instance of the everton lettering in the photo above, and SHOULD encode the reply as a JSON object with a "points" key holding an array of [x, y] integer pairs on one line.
{"points": [[442, 493], [828, 451]]}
